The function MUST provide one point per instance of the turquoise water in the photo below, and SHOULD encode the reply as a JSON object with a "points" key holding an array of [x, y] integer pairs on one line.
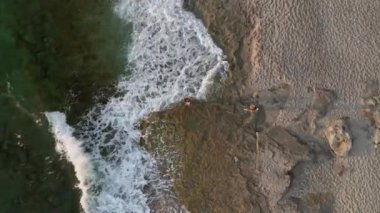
{"points": [[54, 55]]}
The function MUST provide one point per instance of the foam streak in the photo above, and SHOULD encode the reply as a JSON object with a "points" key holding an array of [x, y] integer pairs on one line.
{"points": [[171, 57]]}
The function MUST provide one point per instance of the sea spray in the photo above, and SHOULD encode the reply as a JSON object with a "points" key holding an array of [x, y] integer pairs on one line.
{"points": [[171, 57]]}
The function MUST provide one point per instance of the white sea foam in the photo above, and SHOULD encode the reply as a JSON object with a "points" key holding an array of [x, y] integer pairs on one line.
{"points": [[67, 145], [171, 57]]}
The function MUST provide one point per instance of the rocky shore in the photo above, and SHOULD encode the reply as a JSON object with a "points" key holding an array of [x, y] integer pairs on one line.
{"points": [[223, 159], [309, 68], [220, 157], [308, 132]]}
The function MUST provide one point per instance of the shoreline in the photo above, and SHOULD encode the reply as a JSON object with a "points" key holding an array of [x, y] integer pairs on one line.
{"points": [[260, 56], [238, 35], [309, 68], [211, 150]]}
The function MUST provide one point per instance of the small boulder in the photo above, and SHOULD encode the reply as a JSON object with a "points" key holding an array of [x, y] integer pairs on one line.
{"points": [[372, 111], [338, 138]]}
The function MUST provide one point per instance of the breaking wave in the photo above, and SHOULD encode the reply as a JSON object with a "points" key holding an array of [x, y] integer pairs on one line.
{"points": [[171, 57]]}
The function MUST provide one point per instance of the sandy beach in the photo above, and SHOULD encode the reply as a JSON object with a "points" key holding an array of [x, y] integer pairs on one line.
{"points": [[308, 64], [330, 45], [282, 110], [335, 46]]}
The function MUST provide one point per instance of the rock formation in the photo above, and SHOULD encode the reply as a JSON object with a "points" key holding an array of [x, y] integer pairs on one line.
{"points": [[222, 158]]}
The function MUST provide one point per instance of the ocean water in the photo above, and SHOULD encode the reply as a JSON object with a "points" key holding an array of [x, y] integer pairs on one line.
{"points": [[54, 55], [171, 56], [27, 156]]}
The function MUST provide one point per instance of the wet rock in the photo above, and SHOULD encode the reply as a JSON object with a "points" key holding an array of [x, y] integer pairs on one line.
{"points": [[218, 165], [338, 138]]}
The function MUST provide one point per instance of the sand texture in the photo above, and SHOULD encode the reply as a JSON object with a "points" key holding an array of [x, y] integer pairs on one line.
{"points": [[331, 45], [319, 44], [328, 54], [308, 65]]}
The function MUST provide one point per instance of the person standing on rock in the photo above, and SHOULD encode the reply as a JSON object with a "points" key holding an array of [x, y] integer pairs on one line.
{"points": [[252, 109], [186, 102]]}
